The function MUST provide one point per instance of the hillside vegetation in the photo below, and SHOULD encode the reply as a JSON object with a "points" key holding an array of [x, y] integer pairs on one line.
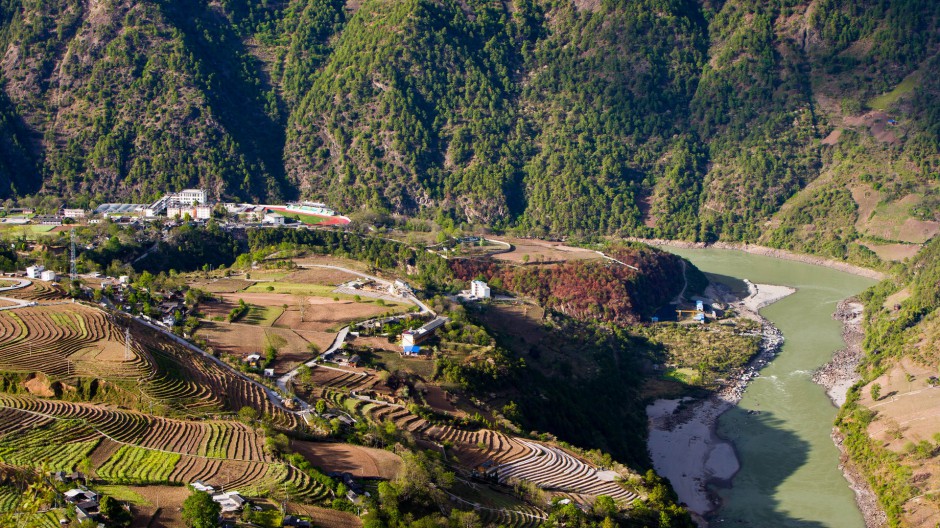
{"points": [[890, 420], [807, 126]]}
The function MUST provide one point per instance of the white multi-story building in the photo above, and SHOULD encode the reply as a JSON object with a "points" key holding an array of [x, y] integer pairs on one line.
{"points": [[34, 272], [189, 196], [73, 213], [479, 289], [200, 212]]}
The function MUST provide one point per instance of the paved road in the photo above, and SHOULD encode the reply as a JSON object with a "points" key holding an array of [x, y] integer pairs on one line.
{"points": [[17, 303], [283, 381]]}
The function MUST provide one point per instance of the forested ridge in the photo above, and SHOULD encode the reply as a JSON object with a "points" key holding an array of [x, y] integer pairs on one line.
{"points": [[806, 126]]}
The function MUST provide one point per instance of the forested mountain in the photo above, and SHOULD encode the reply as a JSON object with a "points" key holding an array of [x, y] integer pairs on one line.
{"points": [[805, 125]]}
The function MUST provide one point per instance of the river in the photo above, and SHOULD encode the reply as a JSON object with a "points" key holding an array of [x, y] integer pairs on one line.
{"points": [[789, 474]]}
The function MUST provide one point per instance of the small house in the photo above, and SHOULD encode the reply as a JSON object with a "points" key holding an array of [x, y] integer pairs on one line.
{"points": [[202, 486], [252, 359], [230, 501], [295, 522], [269, 372], [48, 275]]}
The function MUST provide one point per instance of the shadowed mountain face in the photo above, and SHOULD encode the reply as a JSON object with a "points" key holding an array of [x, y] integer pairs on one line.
{"points": [[740, 119]]}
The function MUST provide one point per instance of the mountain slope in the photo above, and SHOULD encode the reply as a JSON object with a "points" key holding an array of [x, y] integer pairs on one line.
{"points": [[810, 126]]}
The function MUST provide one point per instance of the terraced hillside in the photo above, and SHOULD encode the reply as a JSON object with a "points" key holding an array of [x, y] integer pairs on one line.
{"points": [[127, 447], [69, 343], [507, 458]]}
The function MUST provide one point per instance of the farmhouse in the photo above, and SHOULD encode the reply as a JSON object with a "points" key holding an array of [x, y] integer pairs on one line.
{"points": [[252, 359], [202, 486], [230, 501], [48, 275], [34, 272], [410, 338], [295, 522]]}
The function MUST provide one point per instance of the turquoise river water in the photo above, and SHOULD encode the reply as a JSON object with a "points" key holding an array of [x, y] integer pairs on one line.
{"points": [[789, 473]]}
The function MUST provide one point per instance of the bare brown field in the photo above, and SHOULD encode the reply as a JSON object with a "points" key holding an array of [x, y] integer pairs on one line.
{"points": [[918, 231], [240, 340], [227, 285], [437, 399], [913, 406], [323, 314], [165, 505], [543, 251], [377, 343], [363, 462], [894, 252], [908, 411], [326, 260], [896, 298], [324, 517]]}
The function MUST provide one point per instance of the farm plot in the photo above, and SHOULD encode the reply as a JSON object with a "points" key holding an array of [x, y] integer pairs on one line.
{"points": [[322, 314], [280, 478], [225, 285], [59, 446], [38, 291], [69, 340], [205, 383], [9, 498], [135, 465], [241, 340], [325, 517], [321, 276], [362, 462], [547, 466]]}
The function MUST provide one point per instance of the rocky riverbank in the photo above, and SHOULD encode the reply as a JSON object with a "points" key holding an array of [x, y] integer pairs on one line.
{"points": [[839, 374], [837, 377], [683, 440], [768, 252]]}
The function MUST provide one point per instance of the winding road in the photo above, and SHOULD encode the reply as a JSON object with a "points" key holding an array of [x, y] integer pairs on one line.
{"points": [[17, 303]]}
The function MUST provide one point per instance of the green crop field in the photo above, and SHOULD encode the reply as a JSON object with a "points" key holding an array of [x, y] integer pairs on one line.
{"points": [[59, 446], [262, 315], [136, 465], [316, 290], [882, 102]]}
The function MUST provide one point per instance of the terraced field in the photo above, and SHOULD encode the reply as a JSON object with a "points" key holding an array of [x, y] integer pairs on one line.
{"points": [[68, 341], [38, 291], [59, 445], [131, 448], [549, 467]]}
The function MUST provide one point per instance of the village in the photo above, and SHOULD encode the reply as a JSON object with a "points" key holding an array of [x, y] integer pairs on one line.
{"points": [[191, 205]]}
